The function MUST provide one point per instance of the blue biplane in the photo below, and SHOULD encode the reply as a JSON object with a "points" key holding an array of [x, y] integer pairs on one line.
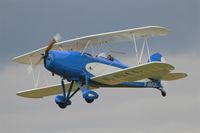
{"points": [[86, 72]]}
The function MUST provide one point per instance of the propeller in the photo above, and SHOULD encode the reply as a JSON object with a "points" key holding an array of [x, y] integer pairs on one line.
{"points": [[55, 39], [50, 45]]}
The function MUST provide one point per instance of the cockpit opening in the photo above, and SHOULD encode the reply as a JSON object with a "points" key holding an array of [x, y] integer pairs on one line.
{"points": [[104, 55]]}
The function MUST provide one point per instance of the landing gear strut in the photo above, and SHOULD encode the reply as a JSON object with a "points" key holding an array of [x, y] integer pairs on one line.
{"points": [[88, 94], [62, 100], [158, 86], [163, 92]]}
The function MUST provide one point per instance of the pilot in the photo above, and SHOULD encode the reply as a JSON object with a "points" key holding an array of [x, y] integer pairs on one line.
{"points": [[110, 57]]}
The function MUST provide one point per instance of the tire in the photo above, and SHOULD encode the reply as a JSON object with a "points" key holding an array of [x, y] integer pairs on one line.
{"points": [[89, 101], [163, 93], [62, 105]]}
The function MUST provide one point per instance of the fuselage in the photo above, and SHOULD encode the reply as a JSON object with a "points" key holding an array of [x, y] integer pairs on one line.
{"points": [[74, 65]]}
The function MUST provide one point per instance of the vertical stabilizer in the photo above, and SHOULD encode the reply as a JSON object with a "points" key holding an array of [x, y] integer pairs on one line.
{"points": [[157, 57]]}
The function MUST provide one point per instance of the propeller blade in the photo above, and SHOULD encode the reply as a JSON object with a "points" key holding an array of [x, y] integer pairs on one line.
{"points": [[55, 39]]}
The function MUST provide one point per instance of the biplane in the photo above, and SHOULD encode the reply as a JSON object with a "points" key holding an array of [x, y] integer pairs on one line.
{"points": [[82, 71]]}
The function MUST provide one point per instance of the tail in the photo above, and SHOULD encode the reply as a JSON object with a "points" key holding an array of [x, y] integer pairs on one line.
{"points": [[157, 57]]}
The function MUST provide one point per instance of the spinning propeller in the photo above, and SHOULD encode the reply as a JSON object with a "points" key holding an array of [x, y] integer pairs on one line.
{"points": [[50, 45]]}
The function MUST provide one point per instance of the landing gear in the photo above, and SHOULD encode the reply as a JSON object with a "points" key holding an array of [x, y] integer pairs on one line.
{"points": [[157, 84], [89, 100], [62, 100], [163, 92], [62, 106], [88, 95]]}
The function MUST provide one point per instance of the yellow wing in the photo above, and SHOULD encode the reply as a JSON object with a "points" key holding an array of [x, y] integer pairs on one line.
{"points": [[47, 91], [148, 70]]}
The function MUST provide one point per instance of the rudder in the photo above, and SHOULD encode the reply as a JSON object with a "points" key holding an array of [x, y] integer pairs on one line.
{"points": [[157, 57]]}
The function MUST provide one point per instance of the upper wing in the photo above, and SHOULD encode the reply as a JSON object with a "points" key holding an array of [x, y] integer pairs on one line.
{"points": [[104, 38], [47, 91], [148, 70]]}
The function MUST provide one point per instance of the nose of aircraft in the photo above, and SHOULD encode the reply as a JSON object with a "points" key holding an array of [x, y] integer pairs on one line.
{"points": [[56, 60], [48, 60], [64, 63]]}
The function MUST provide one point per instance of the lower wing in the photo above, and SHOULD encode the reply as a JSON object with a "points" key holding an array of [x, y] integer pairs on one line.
{"points": [[46, 91], [140, 72], [155, 70]]}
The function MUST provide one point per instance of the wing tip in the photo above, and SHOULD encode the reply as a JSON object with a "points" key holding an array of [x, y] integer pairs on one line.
{"points": [[25, 95], [184, 75], [171, 67], [14, 59], [163, 30], [17, 60]]}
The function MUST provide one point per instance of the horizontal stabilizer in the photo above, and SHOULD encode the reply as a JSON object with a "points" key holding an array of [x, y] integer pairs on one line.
{"points": [[172, 76]]}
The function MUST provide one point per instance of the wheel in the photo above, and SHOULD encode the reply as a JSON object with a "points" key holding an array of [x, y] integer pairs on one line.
{"points": [[163, 93], [89, 100], [62, 105]]}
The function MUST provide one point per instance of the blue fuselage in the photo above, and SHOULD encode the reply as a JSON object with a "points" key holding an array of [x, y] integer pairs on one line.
{"points": [[72, 64]]}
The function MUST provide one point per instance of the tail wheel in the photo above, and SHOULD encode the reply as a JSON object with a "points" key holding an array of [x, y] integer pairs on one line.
{"points": [[163, 93]]}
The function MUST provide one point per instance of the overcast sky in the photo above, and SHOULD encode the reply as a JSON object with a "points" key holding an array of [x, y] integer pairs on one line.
{"points": [[28, 25]]}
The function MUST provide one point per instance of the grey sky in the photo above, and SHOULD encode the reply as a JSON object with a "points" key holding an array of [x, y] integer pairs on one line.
{"points": [[28, 25]]}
